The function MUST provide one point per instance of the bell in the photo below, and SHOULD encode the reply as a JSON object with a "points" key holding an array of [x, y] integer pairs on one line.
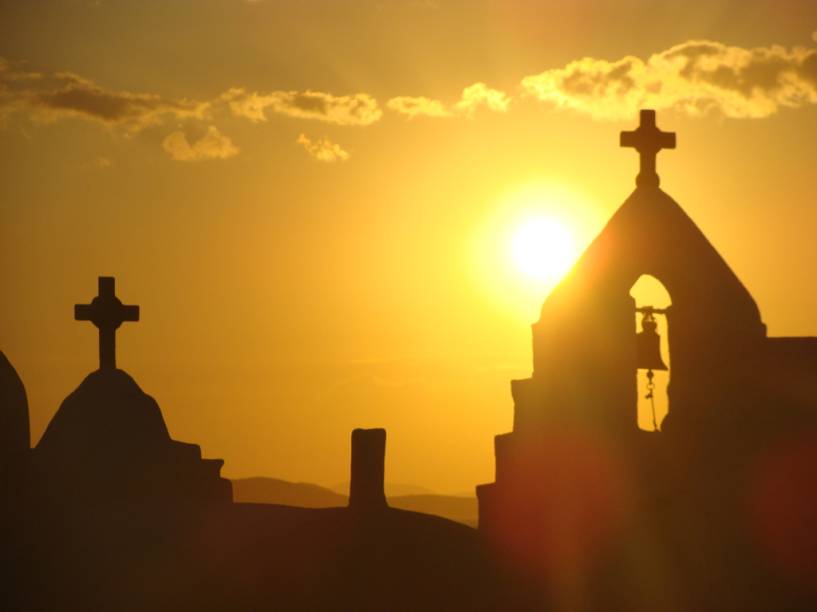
{"points": [[648, 344]]}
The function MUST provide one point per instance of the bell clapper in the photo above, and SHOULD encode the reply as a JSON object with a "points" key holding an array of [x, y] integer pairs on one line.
{"points": [[651, 396]]}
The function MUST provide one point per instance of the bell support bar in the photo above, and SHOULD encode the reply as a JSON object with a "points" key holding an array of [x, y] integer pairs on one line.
{"points": [[651, 310]]}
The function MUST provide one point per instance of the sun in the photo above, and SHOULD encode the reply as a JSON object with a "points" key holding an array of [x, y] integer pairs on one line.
{"points": [[542, 249], [527, 242]]}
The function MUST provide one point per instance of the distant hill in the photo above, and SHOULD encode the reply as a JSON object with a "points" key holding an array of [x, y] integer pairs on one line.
{"points": [[274, 491], [263, 490], [393, 489], [459, 509]]}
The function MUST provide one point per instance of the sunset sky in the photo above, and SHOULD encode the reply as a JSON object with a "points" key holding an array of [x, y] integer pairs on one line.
{"points": [[324, 208]]}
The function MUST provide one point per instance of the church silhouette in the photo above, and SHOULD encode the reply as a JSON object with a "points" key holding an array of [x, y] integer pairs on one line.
{"points": [[714, 509], [689, 516]]}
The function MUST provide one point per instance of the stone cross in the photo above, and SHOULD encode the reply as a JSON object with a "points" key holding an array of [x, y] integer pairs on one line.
{"points": [[107, 313], [648, 140]]}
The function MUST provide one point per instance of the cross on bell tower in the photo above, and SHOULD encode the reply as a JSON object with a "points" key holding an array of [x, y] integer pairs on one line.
{"points": [[648, 140], [107, 312]]}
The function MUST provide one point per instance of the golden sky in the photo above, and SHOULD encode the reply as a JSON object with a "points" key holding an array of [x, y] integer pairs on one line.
{"points": [[315, 203]]}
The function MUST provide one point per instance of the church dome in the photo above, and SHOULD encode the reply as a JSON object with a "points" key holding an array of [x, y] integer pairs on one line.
{"points": [[107, 411], [14, 427], [108, 442]]}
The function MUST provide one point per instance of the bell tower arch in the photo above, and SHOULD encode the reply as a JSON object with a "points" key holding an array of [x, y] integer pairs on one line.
{"points": [[652, 312]]}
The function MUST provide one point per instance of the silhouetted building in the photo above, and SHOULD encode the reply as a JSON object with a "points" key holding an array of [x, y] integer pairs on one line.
{"points": [[14, 431], [108, 441], [579, 486]]}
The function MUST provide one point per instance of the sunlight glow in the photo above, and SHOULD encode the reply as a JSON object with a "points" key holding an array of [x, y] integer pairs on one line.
{"points": [[530, 238], [542, 249]]}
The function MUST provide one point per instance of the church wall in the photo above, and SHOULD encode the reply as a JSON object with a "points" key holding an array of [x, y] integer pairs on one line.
{"points": [[585, 363], [786, 379], [712, 370]]}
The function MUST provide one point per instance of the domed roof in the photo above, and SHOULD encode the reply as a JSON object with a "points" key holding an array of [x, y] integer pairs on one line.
{"points": [[14, 427], [107, 411], [109, 442]]}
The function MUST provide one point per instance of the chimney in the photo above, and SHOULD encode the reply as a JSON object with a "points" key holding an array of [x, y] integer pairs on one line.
{"points": [[368, 459]]}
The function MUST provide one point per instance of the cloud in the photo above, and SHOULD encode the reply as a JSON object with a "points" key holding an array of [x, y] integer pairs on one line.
{"points": [[322, 149], [53, 96], [135, 111], [212, 145], [14, 81], [411, 107], [356, 109], [480, 95], [473, 97], [695, 77]]}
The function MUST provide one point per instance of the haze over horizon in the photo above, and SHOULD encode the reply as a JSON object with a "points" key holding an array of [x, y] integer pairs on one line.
{"points": [[323, 209]]}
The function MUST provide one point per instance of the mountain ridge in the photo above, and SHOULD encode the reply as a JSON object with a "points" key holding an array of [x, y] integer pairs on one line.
{"points": [[275, 491]]}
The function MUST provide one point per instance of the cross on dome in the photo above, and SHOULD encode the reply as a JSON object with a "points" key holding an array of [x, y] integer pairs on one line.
{"points": [[648, 140], [107, 312]]}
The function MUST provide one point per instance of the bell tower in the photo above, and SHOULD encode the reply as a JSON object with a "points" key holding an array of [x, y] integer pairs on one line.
{"points": [[576, 446]]}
